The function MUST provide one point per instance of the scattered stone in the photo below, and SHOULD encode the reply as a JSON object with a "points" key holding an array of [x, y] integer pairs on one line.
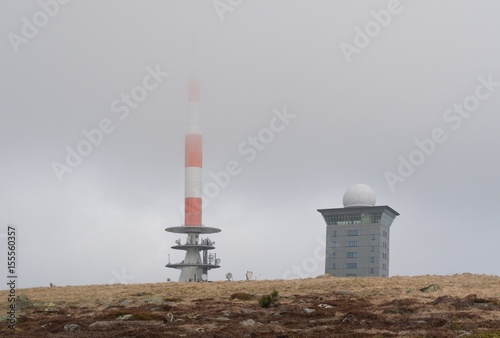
{"points": [[247, 311], [71, 327], [199, 330], [124, 317], [430, 288], [462, 333], [307, 310], [169, 317], [226, 313], [325, 306], [154, 300], [421, 322], [248, 322], [114, 323], [124, 302], [222, 319]]}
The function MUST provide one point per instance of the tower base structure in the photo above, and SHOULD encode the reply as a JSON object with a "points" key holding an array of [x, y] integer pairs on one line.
{"points": [[195, 266]]}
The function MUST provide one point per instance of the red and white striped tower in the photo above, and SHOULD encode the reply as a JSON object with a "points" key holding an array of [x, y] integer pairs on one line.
{"points": [[193, 155], [194, 267]]}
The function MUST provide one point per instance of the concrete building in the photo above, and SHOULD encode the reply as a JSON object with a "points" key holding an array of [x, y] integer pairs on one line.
{"points": [[357, 236]]}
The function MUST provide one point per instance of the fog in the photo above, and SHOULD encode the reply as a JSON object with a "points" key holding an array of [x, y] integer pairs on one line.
{"points": [[306, 98]]}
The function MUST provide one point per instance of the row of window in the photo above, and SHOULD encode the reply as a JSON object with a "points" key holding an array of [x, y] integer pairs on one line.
{"points": [[347, 266], [356, 233], [355, 255], [372, 271], [352, 244], [357, 218]]}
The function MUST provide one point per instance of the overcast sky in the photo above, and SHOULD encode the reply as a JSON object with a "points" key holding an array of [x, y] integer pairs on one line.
{"points": [[304, 98]]}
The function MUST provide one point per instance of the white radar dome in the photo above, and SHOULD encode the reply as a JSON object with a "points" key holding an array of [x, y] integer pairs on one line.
{"points": [[359, 195]]}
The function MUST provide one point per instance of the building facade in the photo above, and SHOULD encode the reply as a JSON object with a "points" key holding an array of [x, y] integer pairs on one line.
{"points": [[357, 238]]}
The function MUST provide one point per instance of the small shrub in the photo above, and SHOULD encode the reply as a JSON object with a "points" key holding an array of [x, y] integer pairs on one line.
{"points": [[267, 301]]}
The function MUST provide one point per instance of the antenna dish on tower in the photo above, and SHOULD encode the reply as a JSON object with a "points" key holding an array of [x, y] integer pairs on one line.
{"points": [[249, 275], [204, 277], [217, 261], [229, 276], [178, 241]]}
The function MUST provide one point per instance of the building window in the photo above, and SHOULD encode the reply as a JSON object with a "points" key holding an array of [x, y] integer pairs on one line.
{"points": [[352, 265], [372, 271], [333, 266], [384, 255], [385, 234], [373, 237], [333, 244], [372, 259], [352, 232], [352, 243], [350, 275], [384, 245], [373, 248], [334, 255], [352, 255], [334, 233], [384, 266]]}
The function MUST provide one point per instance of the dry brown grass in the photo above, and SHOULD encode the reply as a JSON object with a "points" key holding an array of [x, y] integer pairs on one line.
{"points": [[368, 306], [484, 286]]}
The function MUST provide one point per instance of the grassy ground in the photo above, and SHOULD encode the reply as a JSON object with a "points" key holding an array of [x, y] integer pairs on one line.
{"points": [[343, 307]]}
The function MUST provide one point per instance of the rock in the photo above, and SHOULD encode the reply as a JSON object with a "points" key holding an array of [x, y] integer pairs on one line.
{"points": [[462, 333], [169, 317], [222, 319], [430, 288], [71, 327], [124, 302], [247, 311], [325, 306], [225, 313], [248, 322], [109, 324], [124, 317], [154, 300], [307, 310]]}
